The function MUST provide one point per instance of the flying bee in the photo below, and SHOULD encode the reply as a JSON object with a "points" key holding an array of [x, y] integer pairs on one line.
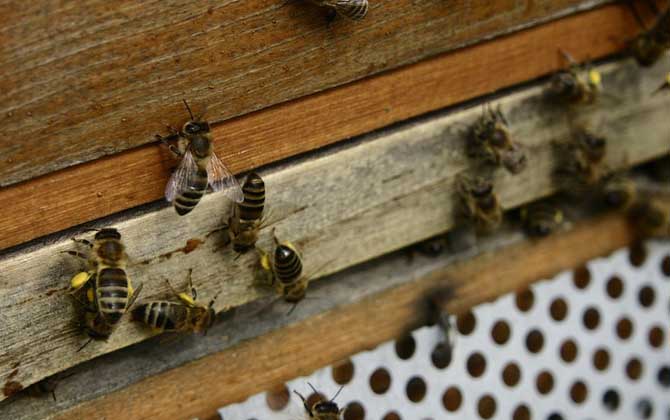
{"points": [[322, 410], [541, 219], [185, 315], [665, 85], [283, 271], [107, 288], [479, 204], [575, 85], [489, 139], [247, 217], [651, 44], [352, 9], [650, 219], [618, 191], [199, 167]]}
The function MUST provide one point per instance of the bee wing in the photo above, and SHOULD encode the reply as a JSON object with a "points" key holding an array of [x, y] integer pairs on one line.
{"points": [[179, 179], [353, 9], [220, 179]]}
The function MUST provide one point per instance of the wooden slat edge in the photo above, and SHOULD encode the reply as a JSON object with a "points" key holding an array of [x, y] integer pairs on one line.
{"points": [[92, 190]]}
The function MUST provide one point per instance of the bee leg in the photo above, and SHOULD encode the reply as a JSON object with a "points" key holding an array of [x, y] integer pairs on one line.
{"points": [[171, 147], [83, 241], [194, 293], [76, 254], [134, 296]]}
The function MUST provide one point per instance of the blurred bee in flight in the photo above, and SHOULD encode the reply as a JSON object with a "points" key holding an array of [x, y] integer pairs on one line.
{"points": [[321, 410], [106, 287], [575, 85], [651, 44], [247, 217], [478, 204], [490, 141], [199, 167], [541, 218], [351, 9], [185, 314]]}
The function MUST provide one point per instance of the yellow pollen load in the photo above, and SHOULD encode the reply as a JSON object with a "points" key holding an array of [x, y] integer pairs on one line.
{"points": [[186, 299], [89, 295], [594, 77], [265, 262], [79, 280]]}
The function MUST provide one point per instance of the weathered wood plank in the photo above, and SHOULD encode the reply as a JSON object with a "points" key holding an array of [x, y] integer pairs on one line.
{"points": [[342, 207], [274, 358], [82, 80], [96, 189]]}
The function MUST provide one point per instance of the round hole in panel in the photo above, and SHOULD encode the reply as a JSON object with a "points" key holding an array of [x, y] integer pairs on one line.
{"points": [[579, 392], [591, 318], [476, 365], [466, 323], [634, 368], [569, 351], [441, 355], [644, 408], [524, 300], [452, 399], [555, 416], [611, 400], [624, 328], [343, 372], [614, 287], [511, 374], [601, 359], [354, 411], [534, 341], [665, 266], [663, 376], [380, 381], [416, 389], [278, 398], [392, 416], [544, 382], [405, 347], [521, 412], [656, 337], [486, 407], [581, 277], [558, 309], [500, 332], [637, 254], [646, 296]]}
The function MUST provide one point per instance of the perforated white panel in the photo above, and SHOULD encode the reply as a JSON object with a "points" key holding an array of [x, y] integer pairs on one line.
{"points": [[592, 344]]}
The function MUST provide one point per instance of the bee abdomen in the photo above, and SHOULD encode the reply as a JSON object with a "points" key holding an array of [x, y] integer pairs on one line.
{"points": [[353, 9], [187, 199], [161, 315], [254, 198], [288, 269], [112, 293]]}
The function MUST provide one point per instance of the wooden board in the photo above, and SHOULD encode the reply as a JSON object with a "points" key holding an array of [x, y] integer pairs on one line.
{"points": [[86, 79], [275, 358], [93, 190], [341, 207]]}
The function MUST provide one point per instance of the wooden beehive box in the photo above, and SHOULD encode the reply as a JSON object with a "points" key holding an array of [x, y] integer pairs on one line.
{"points": [[85, 86]]}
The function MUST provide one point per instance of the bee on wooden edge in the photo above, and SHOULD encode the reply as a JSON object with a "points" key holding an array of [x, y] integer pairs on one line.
{"points": [[198, 168], [321, 409], [478, 204], [246, 218]]}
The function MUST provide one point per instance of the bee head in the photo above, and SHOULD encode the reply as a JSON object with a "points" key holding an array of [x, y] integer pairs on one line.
{"points": [[481, 189], [326, 407], [194, 128], [108, 233]]}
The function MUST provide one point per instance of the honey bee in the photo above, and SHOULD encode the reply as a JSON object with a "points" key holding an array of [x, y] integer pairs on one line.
{"points": [[185, 315], [581, 164], [322, 410], [489, 139], [541, 219], [199, 167], [435, 302], [107, 288], [479, 204], [247, 217], [352, 9], [575, 85], [650, 219], [46, 386], [618, 191], [283, 271], [651, 44], [665, 85]]}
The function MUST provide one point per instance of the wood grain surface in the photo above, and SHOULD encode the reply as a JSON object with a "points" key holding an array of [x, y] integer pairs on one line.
{"points": [[93, 190], [86, 79], [368, 197], [271, 360]]}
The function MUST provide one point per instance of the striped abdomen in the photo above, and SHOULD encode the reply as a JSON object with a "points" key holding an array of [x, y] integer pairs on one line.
{"points": [[352, 9], [188, 198], [162, 315], [287, 264], [112, 294], [251, 209]]}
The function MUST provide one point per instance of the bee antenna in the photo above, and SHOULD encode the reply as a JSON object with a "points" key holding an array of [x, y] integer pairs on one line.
{"points": [[337, 393], [53, 395], [188, 108], [313, 389], [290, 311], [85, 344], [299, 395]]}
